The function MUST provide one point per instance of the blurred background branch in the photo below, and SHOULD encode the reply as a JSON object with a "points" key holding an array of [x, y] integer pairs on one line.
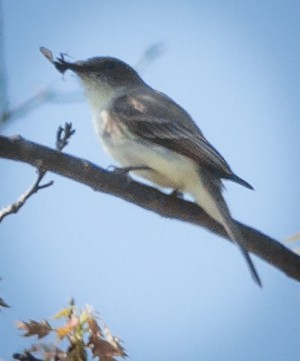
{"points": [[3, 82], [47, 95], [150, 55]]}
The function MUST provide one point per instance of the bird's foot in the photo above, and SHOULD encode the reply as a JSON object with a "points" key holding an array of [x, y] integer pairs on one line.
{"points": [[176, 194]]}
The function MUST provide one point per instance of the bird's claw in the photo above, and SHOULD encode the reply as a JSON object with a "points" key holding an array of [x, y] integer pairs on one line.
{"points": [[176, 194]]}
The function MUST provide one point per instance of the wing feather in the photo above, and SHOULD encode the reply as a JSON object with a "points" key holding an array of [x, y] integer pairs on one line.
{"points": [[157, 118]]}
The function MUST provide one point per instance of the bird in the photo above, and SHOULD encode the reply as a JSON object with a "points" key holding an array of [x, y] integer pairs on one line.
{"points": [[147, 132]]}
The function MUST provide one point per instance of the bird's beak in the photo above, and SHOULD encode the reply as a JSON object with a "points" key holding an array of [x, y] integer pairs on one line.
{"points": [[62, 65]]}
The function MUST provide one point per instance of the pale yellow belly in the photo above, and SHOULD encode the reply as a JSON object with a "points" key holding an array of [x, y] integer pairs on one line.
{"points": [[167, 168]]}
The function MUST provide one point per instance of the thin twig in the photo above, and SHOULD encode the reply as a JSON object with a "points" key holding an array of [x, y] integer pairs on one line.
{"points": [[62, 137], [34, 188]]}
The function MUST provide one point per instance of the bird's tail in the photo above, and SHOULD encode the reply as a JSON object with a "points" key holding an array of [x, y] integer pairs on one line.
{"points": [[235, 235], [209, 197]]}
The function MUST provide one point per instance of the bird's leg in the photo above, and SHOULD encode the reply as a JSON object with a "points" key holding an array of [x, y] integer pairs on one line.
{"points": [[176, 194]]}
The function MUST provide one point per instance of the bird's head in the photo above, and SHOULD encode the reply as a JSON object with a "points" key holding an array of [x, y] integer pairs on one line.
{"points": [[106, 71]]}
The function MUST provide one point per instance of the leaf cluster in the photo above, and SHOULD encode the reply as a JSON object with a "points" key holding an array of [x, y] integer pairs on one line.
{"points": [[80, 331]]}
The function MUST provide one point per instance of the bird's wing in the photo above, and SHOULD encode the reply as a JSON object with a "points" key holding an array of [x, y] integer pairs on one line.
{"points": [[154, 116]]}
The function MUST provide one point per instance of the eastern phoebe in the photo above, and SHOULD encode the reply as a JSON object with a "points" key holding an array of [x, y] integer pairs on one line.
{"points": [[143, 128]]}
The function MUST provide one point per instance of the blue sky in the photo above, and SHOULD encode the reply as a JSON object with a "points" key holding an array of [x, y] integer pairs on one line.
{"points": [[168, 289]]}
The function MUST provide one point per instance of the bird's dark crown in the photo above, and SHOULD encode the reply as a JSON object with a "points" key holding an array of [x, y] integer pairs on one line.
{"points": [[105, 68]]}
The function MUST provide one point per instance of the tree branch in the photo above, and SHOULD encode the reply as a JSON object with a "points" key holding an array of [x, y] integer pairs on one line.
{"points": [[85, 172]]}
